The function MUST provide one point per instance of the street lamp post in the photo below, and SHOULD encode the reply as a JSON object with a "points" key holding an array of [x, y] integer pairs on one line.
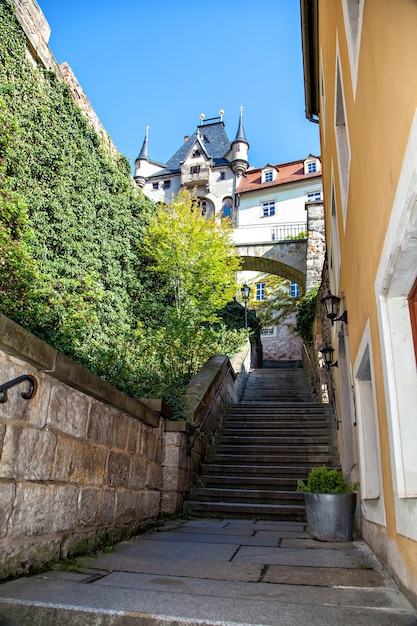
{"points": [[245, 297]]}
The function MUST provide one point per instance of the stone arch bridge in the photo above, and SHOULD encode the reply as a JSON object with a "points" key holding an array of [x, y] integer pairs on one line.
{"points": [[298, 260]]}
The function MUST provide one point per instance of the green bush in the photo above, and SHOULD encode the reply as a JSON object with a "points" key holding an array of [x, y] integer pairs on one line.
{"points": [[324, 480]]}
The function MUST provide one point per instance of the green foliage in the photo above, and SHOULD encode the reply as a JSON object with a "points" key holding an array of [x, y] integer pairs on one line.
{"points": [[195, 257], [70, 217], [324, 480], [306, 312]]}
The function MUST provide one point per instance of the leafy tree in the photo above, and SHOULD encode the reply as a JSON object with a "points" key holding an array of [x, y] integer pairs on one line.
{"points": [[195, 257], [197, 263]]}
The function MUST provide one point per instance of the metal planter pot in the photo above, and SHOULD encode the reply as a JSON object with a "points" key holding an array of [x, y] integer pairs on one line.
{"points": [[330, 515]]}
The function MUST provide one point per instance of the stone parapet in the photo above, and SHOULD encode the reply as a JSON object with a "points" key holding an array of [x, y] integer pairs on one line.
{"points": [[219, 383]]}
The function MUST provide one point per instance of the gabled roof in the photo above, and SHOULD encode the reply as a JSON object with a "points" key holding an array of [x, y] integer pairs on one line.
{"points": [[216, 145], [286, 173], [199, 144]]}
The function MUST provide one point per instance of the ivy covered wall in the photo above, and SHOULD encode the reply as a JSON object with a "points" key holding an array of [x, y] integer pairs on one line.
{"points": [[70, 217]]}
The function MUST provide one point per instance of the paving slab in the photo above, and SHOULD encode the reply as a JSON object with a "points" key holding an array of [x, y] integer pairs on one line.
{"points": [[320, 557], [323, 576], [250, 572], [224, 538], [198, 577]]}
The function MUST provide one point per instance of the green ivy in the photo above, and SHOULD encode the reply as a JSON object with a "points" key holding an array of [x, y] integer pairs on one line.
{"points": [[306, 312], [71, 217]]}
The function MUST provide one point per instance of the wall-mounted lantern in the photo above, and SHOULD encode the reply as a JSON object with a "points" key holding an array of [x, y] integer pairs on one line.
{"points": [[331, 307], [245, 297], [327, 353]]}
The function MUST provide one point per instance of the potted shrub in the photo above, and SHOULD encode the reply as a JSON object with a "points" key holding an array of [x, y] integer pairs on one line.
{"points": [[330, 504]]}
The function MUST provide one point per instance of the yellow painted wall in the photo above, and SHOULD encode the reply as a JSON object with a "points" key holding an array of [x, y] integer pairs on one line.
{"points": [[379, 119]]}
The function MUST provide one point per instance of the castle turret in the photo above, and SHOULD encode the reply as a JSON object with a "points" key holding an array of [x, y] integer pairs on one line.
{"points": [[240, 148], [141, 161]]}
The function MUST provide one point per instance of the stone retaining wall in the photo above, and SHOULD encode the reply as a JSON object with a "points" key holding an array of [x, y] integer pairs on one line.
{"points": [[77, 459], [81, 459]]}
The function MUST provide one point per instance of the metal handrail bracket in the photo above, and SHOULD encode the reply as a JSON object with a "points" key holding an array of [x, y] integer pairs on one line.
{"points": [[26, 395]]}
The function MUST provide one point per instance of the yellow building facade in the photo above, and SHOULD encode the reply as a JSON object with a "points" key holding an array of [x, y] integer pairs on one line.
{"points": [[360, 60]]}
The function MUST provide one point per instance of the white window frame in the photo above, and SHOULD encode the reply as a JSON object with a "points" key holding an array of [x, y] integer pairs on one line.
{"points": [[373, 507], [353, 18], [310, 163], [270, 207], [294, 289], [260, 292], [342, 137], [314, 196], [394, 281]]}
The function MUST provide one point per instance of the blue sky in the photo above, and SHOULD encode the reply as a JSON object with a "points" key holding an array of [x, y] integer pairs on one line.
{"points": [[162, 63]]}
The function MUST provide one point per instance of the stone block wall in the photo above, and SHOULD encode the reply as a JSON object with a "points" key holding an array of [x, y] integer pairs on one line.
{"points": [[77, 459]]}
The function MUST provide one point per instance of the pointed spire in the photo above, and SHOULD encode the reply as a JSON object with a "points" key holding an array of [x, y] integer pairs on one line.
{"points": [[143, 154], [240, 135]]}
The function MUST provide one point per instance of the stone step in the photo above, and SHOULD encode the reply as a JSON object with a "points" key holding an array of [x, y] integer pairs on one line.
{"points": [[279, 426], [245, 510], [278, 407], [265, 483], [274, 438], [274, 470], [309, 460], [267, 449], [258, 496]]}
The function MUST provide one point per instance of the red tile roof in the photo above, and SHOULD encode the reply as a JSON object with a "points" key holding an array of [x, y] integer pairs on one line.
{"points": [[287, 173]]}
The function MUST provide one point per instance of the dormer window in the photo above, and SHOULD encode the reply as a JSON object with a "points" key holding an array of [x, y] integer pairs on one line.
{"points": [[311, 166], [268, 175]]}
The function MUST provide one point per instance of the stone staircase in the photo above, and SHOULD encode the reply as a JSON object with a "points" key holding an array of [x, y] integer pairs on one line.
{"points": [[271, 438]]}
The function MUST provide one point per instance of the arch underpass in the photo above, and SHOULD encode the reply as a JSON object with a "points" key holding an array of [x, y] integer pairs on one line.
{"points": [[286, 259]]}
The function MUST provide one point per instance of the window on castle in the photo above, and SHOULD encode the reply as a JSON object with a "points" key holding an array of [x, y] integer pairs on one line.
{"points": [[167, 184], [155, 185], [203, 207], [260, 291], [196, 153], [294, 290], [268, 177], [222, 175], [194, 169], [311, 167], [268, 208]]}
